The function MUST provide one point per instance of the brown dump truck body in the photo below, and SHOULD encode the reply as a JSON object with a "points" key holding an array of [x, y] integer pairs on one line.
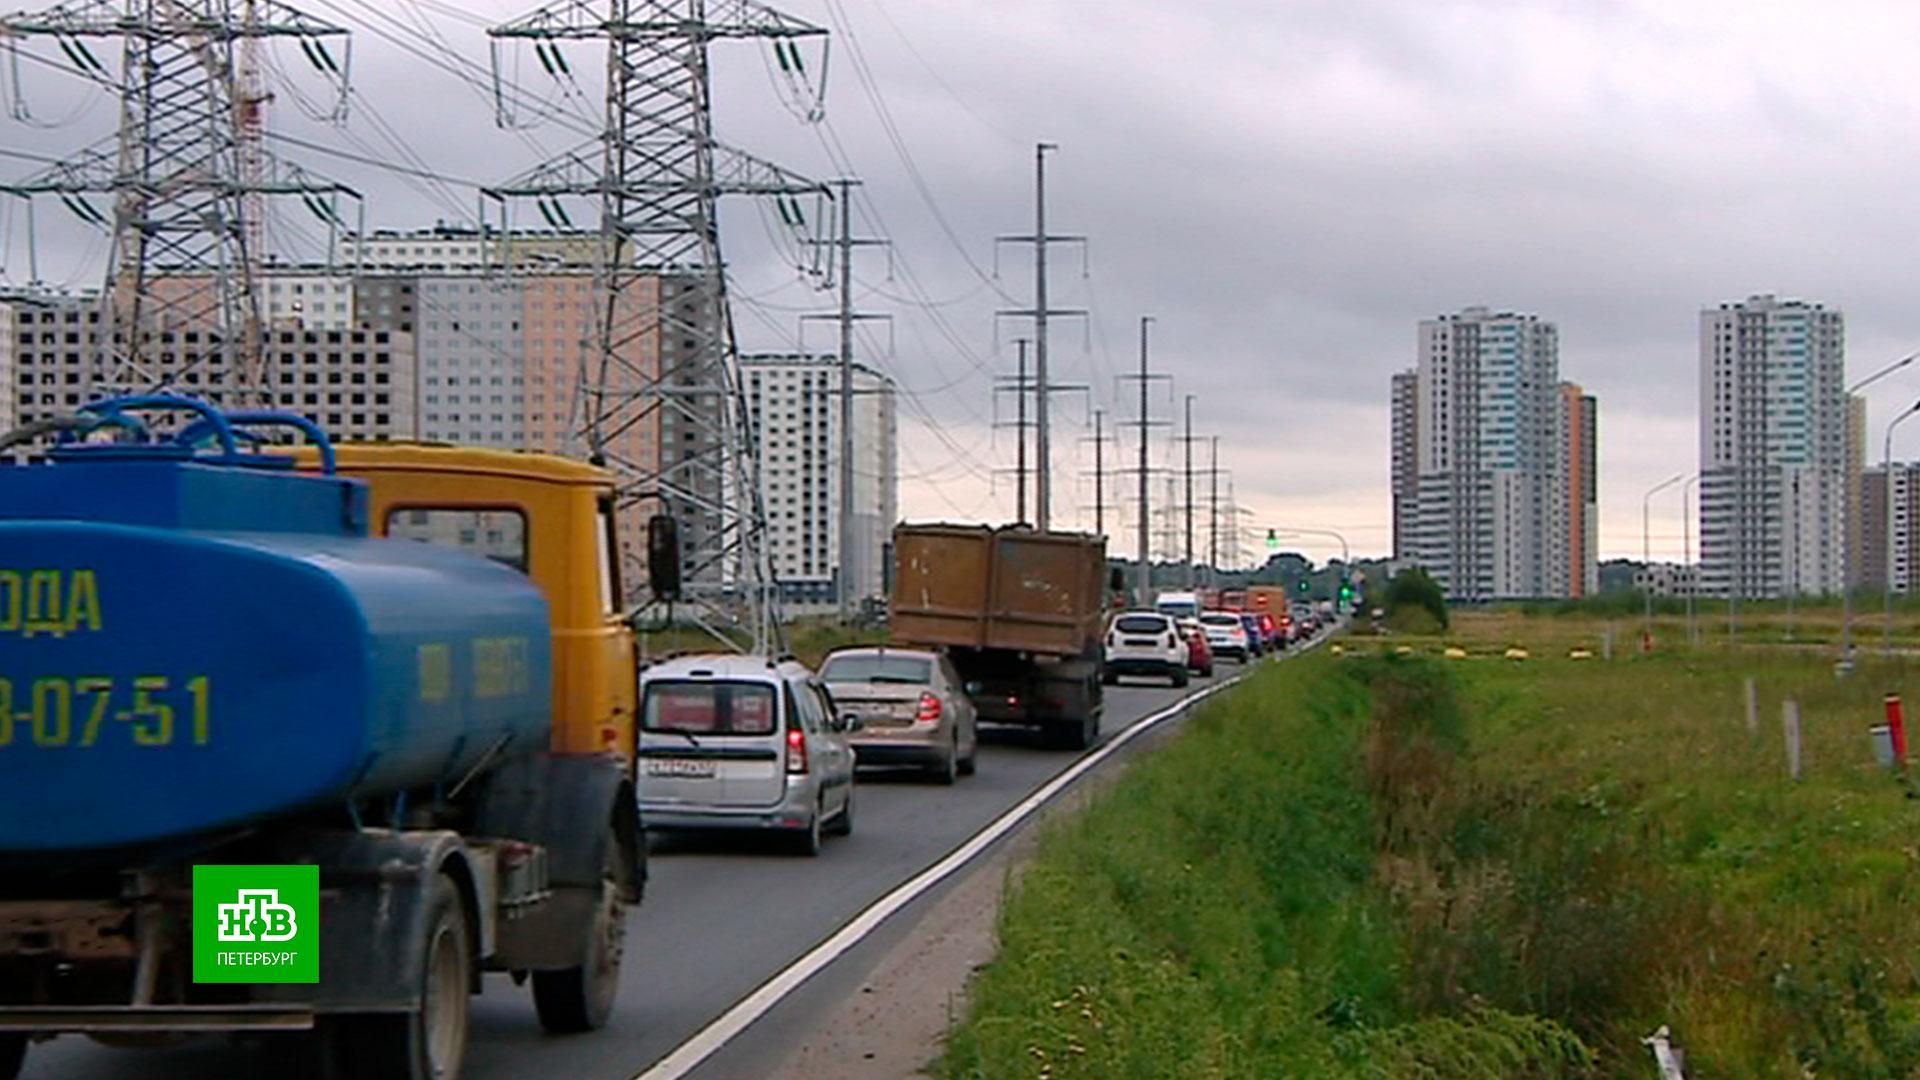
{"points": [[1014, 589]]}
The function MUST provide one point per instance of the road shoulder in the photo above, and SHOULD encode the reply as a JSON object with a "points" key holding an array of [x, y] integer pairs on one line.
{"points": [[895, 1026]]}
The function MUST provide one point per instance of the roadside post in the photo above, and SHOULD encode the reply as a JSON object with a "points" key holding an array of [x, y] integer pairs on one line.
{"points": [[1897, 730], [1753, 708], [1790, 723]]}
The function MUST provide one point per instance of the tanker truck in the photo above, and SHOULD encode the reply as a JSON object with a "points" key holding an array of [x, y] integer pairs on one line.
{"points": [[270, 767], [1019, 612]]}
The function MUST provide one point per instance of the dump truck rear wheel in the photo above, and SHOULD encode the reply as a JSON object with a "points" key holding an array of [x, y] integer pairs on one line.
{"points": [[429, 1042], [577, 999], [13, 1055]]}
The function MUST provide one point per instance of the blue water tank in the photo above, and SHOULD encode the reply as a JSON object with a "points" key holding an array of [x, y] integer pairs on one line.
{"points": [[189, 646]]}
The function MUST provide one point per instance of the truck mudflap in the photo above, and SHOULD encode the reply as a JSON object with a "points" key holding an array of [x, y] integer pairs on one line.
{"points": [[574, 806], [375, 889]]}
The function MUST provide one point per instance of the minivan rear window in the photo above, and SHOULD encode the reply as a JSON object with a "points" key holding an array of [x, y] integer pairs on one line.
{"points": [[1140, 624], [709, 708], [877, 668]]}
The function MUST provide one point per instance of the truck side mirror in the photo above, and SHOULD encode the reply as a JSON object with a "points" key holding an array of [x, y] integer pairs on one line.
{"points": [[663, 557]]}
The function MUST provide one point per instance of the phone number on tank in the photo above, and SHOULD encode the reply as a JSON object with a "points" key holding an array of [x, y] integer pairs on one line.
{"points": [[55, 711]]}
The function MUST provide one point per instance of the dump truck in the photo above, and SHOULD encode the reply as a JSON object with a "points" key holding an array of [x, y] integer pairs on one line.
{"points": [[1019, 612], [296, 745]]}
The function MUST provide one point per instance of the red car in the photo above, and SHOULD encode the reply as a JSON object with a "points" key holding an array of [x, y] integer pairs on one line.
{"points": [[1199, 653]]}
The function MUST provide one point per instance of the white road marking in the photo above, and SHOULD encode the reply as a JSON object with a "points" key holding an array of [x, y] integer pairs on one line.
{"points": [[702, 1044]]}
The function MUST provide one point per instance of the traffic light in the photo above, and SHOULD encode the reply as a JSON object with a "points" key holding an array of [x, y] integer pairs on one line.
{"points": [[1273, 540], [1304, 586]]}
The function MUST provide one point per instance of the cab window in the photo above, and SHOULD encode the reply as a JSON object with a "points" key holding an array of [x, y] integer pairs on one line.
{"points": [[500, 535], [608, 530]]}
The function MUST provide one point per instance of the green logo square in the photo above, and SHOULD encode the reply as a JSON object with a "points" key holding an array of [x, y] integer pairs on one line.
{"points": [[256, 924]]}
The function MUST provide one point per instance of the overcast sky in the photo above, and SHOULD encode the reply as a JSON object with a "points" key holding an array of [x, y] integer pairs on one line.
{"points": [[1288, 187]]}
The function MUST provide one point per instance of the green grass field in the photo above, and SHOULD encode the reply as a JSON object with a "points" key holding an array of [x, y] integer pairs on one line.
{"points": [[1412, 866]]}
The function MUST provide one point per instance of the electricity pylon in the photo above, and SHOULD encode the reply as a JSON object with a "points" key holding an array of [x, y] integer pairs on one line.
{"points": [[668, 359], [186, 172]]}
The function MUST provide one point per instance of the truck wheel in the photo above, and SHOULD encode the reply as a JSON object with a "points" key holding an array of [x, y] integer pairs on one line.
{"points": [[1108, 678], [577, 999], [429, 1042], [13, 1055], [1076, 734]]}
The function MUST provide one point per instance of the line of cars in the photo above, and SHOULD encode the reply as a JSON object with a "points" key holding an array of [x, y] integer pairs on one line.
{"points": [[740, 742], [1180, 638]]}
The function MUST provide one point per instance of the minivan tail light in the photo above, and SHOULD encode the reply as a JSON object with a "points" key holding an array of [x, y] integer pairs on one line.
{"points": [[929, 708], [796, 750]]}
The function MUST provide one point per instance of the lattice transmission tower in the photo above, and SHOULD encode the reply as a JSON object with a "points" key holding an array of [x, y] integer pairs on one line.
{"points": [[667, 360], [187, 176]]}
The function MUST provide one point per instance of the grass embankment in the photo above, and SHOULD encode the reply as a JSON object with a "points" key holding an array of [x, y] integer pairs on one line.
{"points": [[1403, 867]]}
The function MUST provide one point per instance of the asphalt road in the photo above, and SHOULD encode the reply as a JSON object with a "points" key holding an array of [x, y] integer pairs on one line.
{"points": [[722, 914]]}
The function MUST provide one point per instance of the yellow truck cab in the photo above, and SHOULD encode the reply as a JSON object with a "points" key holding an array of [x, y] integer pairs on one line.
{"points": [[549, 517]]}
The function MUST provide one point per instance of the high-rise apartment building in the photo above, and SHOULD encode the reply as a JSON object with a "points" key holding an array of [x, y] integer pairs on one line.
{"points": [[1896, 545], [356, 383], [1577, 498], [1406, 455], [793, 403], [1489, 515], [1773, 448]]}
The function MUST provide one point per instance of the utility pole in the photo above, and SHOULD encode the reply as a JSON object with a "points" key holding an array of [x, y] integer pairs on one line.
{"points": [[1020, 385], [852, 572], [1213, 510], [1143, 423], [1020, 436], [1099, 441], [1186, 441], [1040, 313]]}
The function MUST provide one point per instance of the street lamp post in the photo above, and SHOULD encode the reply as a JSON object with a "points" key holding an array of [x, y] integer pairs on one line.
{"points": [[1886, 467], [1847, 557], [1646, 554], [1346, 554], [1689, 580]]}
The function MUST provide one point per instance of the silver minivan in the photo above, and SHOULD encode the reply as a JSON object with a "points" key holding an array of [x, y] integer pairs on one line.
{"points": [[743, 742]]}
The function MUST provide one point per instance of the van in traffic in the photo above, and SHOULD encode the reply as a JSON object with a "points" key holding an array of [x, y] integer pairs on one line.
{"points": [[1179, 605], [743, 742]]}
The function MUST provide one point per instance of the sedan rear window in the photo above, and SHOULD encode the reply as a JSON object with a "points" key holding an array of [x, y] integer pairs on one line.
{"points": [[877, 668], [709, 708], [1140, 624]]}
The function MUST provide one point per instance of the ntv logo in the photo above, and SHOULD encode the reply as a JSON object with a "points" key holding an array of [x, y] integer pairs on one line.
{"points": [[256, 924], [257, 915]]}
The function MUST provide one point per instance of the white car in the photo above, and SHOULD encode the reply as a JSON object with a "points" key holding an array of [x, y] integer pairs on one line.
{"points": [[1146, 643], [1226, 634]]}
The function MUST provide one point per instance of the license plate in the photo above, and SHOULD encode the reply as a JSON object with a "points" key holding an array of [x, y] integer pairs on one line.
{"points": [[681, 767]]}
